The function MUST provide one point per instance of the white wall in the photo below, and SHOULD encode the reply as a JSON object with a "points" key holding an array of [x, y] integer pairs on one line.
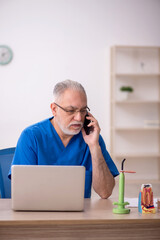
{"points": [[53, 40]]}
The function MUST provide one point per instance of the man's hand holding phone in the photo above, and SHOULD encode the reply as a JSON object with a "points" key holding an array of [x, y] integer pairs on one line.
{"points": [[91, 130]]}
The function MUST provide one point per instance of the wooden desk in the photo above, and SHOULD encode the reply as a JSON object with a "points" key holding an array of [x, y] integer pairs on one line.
{"points": [[96, 222]]}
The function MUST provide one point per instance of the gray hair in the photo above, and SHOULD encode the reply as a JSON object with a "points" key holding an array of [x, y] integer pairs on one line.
{"points": [[60, 88]]}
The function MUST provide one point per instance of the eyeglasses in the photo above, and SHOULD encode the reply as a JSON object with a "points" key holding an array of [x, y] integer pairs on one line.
{"points": [[83, 111]]}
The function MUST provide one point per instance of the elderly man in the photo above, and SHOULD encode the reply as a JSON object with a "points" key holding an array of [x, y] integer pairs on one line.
{"points": [[62, 140]]}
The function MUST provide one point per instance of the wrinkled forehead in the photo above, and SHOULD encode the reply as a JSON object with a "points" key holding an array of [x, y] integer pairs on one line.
{"points": [[73, 97]]}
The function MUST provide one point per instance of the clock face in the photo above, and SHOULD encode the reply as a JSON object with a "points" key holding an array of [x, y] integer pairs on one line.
{"points": [[6, 55]]}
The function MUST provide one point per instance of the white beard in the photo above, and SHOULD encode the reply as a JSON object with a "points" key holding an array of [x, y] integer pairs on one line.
{"points": [[67, 131]]}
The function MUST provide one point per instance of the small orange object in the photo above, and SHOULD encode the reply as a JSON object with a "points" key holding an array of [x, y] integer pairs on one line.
{"points": [[146, 204]]}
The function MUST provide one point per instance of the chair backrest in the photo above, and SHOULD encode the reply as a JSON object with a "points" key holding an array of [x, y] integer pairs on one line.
{"points": [[6, 156]]}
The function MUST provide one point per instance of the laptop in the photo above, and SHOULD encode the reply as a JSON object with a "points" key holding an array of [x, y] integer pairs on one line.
{"points": [[47, 188]]}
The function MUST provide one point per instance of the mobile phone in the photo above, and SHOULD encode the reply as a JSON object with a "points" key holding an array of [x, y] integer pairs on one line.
{"points": [[85, 125]]}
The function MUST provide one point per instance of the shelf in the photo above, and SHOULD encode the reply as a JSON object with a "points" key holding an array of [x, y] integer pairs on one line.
{"points": [[135, 119], [138, 155], [135, 47], [136, 181], [136, 128], [136, 75], [136, 102]]}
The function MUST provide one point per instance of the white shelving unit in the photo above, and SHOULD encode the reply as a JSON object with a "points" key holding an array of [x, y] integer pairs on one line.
{"points": [[135, 121]]}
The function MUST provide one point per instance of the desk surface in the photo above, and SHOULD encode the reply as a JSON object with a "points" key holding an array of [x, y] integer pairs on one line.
{"points": [[96, 222], [95, 210]]}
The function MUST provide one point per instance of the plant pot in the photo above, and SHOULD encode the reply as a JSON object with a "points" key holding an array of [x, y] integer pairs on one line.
{"points": [[124, 95]]}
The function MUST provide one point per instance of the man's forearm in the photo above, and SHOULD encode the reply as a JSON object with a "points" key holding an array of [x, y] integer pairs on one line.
{"points": [[103, 180]]}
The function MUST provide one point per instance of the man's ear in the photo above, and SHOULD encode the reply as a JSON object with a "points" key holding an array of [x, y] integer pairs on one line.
{"points": [[53, 108]]}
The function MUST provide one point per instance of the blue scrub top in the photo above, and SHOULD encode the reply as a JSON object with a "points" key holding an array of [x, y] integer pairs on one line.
{"points": [[40, 144]]}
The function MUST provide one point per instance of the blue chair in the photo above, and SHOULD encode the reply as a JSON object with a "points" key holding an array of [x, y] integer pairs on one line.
{"points": [[6, 156]]}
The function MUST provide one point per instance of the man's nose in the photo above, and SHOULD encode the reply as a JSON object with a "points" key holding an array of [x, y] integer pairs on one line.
{"points": [[78, 116]]}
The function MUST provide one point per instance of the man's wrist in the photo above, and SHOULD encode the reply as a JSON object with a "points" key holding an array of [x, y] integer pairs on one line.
{"points": [[94, 148]]}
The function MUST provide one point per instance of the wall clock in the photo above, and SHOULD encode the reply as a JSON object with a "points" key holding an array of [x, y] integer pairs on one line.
{"points": [[6, 54]]}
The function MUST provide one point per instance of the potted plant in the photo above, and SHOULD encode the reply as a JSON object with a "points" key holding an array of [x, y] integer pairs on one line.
{"points": [[126, 91]]}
